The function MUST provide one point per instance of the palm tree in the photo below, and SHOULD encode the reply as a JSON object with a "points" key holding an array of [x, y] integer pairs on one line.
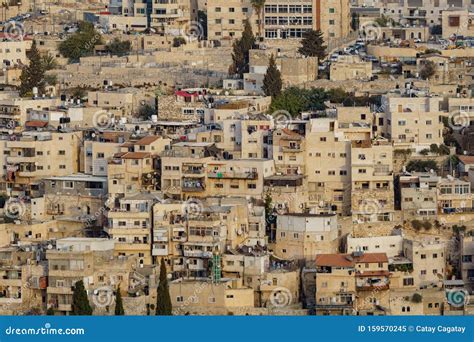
{"points": [[258, 6]]}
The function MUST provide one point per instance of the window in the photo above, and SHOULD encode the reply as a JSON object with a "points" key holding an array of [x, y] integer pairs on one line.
{"points": [[251, 186], [408, 282], [179, 299], [62, 152], [68, 185], [218, 9]]}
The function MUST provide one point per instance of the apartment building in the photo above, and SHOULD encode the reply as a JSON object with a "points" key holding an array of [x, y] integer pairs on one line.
{"points": [[412, 122], [256, 137], [13, 111], [328, 169], [174, 16], [391, 245], [23, 281], [183, 168], [76, 196], [454, 196], [457, 22], [88, 259], [419, 192], [351, 283], [372, 194], [29, 155], [13, 52], [303, 236], [418, 13], [136, 166], [280, 19], [188, 234], [225, 19], [98, 150], [238, 177], [288, 152], [130, 225], [285, 19], [429, 261]]}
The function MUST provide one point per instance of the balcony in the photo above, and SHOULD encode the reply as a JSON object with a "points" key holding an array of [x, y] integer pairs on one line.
{"points": [[160, 235], [295, 148], [233, 175], [194, 172], [59, 290], [193, 186], [196, 253], [159, 250]]}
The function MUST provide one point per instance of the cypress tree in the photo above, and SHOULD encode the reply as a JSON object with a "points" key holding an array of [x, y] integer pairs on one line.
{"points": [[32, 75], [163, 299], [80, 302], [248, 39], [240, 53], [272, 82], [312, 45], [119, 311]]}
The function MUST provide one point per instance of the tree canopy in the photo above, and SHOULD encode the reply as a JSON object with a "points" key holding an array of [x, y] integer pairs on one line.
{"points": [[80, 301], [32, 75], [163, 299], [81, 43], [312, 45], [272, 82]]}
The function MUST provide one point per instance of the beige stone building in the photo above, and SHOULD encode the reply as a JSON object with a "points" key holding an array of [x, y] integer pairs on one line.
{"points": [[328, 169], [205, 297], [294, 70], [285, 19], [372, 194], [303, 236], [130, 225], [87, 259], [352, 283], [412, 122], [429, 261], [225, 19], [418, 193], [457, 22], [23, 281], [29, 156], [134, 168], [350, 68]]}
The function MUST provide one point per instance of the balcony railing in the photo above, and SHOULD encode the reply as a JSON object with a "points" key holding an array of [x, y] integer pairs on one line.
{"points": [[237, 175]]}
